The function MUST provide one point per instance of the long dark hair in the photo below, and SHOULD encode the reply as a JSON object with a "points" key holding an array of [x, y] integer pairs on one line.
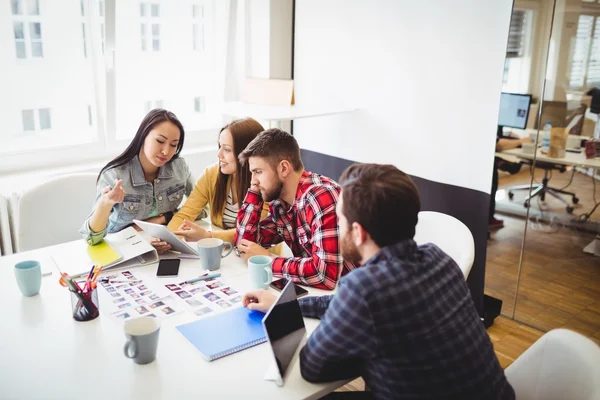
{"points": [[242, 131], [153, 118]]}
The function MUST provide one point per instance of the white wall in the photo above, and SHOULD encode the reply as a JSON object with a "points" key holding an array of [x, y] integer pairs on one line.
{"points": [[425, 75]]}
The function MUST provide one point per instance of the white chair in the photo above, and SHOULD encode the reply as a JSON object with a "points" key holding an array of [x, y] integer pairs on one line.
{"points": [[53, 212], [562, 364], [450, 235]]}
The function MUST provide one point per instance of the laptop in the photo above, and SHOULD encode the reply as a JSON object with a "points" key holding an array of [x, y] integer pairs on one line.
{"points": [[286, 333], [163, 233]]}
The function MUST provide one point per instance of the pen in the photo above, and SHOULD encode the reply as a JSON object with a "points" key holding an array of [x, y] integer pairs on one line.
{"points": [[106, 280], [203, 278]]}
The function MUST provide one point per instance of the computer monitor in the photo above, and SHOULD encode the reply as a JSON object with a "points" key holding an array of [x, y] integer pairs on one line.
{"points": [[514, 111]]}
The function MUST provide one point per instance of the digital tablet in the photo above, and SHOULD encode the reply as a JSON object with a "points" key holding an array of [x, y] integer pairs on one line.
{"points": [[163, 233]]}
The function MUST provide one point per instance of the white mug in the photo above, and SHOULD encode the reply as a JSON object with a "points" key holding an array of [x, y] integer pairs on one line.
{"points": [[528, 148]]}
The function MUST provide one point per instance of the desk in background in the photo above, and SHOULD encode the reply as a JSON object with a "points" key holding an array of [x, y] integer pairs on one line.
{"points": [[570, 159]]}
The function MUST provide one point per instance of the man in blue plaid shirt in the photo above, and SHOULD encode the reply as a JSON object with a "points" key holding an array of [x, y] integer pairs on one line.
{"points": [[404, 320]]}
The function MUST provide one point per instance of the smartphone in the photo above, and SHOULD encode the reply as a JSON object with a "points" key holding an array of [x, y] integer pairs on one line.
{"points": [[279, 284], [167, 268]]}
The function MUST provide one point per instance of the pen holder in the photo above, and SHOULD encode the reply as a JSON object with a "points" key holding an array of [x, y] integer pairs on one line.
{"points": [[85, 305]]}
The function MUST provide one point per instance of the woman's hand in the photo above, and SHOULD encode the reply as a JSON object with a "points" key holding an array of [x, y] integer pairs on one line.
{"points": [[160, 246], [112, 196], [192, 232]]}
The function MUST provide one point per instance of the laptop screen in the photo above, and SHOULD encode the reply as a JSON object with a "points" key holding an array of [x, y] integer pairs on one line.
{"points": [[285, 328]]}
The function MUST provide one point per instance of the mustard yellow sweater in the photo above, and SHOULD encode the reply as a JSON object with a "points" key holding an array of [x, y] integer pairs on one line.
{"points": [[202, 195]]}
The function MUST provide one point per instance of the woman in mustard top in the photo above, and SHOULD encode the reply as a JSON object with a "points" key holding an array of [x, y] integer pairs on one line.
{"points": [[222, 187]]}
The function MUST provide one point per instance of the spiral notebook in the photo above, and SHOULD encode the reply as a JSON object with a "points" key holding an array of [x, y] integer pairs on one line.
{"points": [[225, 333]]}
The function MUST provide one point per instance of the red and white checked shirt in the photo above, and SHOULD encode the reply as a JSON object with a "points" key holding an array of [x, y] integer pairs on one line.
{"points": [[309, 227]]}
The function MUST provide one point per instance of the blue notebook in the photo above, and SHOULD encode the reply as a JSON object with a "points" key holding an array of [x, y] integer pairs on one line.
{"points": [[225, 333]]}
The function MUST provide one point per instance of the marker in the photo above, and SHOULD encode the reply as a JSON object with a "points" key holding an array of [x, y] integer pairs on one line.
{"points": [[203, 278]]}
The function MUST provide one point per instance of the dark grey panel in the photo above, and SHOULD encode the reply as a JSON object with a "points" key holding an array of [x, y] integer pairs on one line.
{"points": [[469, 206]]}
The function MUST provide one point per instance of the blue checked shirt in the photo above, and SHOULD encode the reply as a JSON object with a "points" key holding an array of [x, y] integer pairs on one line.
{"points": [[406, 323]]}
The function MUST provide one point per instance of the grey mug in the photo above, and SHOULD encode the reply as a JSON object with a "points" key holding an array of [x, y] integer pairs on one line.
{"points": [[210, 251], [142, 339]]}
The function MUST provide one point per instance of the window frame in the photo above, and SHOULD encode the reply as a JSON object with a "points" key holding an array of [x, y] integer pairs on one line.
{"points": [[523, 78], [105, 144], [595, 15], [27, 21]]}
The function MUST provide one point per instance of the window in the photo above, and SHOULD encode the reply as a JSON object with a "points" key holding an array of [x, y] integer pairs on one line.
{"points": [[151, 105], [198, 27], [90, 110], [150, 29], [27, 28], [517, 65], [44, 114], [43, 122], [101, 14], [585, 53], [28, 120], [199, 105], [84, 40]]}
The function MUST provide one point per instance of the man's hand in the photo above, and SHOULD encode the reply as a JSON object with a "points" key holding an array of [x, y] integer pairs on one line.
{"points": [[259, 300], [248, 249], [192, 232]]}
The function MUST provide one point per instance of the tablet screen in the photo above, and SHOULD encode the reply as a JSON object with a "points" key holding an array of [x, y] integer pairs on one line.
{"points": [[285, 328]]}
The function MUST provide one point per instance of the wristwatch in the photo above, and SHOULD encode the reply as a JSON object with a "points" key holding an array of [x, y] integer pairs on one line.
{"points": [[168, 216]]}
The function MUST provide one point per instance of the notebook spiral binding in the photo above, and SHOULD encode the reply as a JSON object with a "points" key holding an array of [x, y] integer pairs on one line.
{"points": [[238, 348]]}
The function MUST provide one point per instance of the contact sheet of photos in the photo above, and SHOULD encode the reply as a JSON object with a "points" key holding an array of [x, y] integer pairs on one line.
{"points": [[204, 297], [131, 298]]}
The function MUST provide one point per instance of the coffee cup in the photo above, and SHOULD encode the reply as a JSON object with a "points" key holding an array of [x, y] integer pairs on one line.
{"points": [[528, 148], [210, 251], [29, 277], [142, 339], [260, 271]]}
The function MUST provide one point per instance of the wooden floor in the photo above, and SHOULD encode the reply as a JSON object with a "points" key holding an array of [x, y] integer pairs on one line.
{"points": [[560, 284]]}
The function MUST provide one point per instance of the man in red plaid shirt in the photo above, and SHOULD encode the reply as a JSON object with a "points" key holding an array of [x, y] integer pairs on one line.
{"points": [[301, 213]]}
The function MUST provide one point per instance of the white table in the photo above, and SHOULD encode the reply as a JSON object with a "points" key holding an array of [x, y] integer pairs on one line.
{"points": [[275, 114], [45, 354], [570, 159]]}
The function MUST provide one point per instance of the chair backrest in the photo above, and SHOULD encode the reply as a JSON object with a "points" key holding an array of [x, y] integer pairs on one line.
{"points": [[53, 212], [450, 235], [562, 364]]}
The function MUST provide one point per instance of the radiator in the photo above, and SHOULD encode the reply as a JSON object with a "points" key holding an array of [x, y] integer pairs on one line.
{"points": [[8, 223]]}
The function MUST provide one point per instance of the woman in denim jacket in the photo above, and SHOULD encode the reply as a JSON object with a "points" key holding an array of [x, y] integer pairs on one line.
{"points": [[146, 182]]}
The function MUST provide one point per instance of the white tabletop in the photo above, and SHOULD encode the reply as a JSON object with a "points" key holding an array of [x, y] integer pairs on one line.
{"points": [[44, 353], [576, 159], [279, 113]]}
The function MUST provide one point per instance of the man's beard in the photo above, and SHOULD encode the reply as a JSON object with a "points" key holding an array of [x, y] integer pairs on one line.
{"points": [[349, 250], [274, 193]]}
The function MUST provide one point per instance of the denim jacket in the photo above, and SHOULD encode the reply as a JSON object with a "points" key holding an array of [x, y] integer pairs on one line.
{"points": [[172, 183]]}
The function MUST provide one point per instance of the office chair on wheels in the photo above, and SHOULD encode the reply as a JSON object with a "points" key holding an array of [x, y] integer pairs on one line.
{"points": [[541, 189]]}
